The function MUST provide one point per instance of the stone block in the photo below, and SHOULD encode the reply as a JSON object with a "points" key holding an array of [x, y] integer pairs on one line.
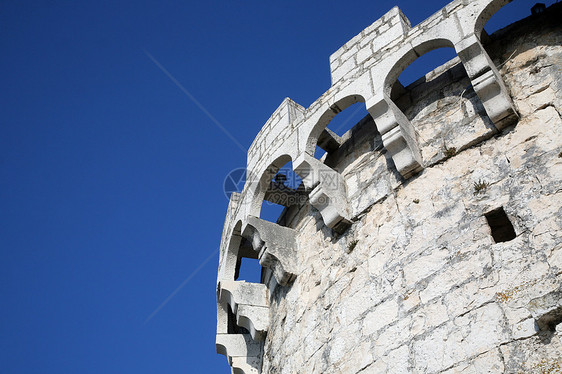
{"points": [[381, 316]]}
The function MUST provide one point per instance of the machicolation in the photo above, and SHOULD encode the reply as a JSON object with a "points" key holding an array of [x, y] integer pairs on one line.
{"points": [[427, 239]]}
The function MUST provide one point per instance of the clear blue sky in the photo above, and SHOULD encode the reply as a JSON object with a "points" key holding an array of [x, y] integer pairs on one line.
{"points": [[111, 177]]}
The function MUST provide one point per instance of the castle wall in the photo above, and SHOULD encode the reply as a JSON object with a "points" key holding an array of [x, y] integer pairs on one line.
{"points": [[420, 279]]}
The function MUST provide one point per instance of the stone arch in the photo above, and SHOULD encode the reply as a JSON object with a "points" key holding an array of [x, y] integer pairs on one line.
{"points": [[328, 114], [233, 339], [233, 255], [326, 186], [398, 135], [403, 98], [408, 57], [262, 183], [486, 13]]}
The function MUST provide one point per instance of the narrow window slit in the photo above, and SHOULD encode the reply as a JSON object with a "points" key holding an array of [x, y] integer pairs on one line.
{"points": [[500, 225]]}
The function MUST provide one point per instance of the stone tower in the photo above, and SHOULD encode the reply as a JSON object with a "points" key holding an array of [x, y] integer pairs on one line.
{"points": [[428, 238]]}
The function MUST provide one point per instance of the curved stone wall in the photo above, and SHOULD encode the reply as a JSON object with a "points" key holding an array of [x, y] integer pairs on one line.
{"points": [[427, 239]]}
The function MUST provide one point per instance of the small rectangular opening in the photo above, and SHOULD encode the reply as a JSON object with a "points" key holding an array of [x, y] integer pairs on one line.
{"points": [[500, 225]]}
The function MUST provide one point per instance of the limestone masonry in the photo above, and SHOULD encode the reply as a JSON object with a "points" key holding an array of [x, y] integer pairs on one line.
{"points": [[428, 238]]}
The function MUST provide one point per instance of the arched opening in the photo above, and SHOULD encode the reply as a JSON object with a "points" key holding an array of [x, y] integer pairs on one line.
{"points": [[423, 76], [340, 130], [509, 14], [440, 104], [347, 118], [284, 190], [323, 175], [240, 262], [425, 64], [244, 260], [278, 189], [429, 55], [517, 28]]}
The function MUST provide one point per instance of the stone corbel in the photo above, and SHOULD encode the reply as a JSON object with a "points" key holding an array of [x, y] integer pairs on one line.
{"points": [[328, 191], [276, 246], [398, 135], [486, 81], [243, 353], [249, 302]]}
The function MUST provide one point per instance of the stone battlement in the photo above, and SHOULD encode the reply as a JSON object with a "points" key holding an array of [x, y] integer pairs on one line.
{"points": [[391, 242]]}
